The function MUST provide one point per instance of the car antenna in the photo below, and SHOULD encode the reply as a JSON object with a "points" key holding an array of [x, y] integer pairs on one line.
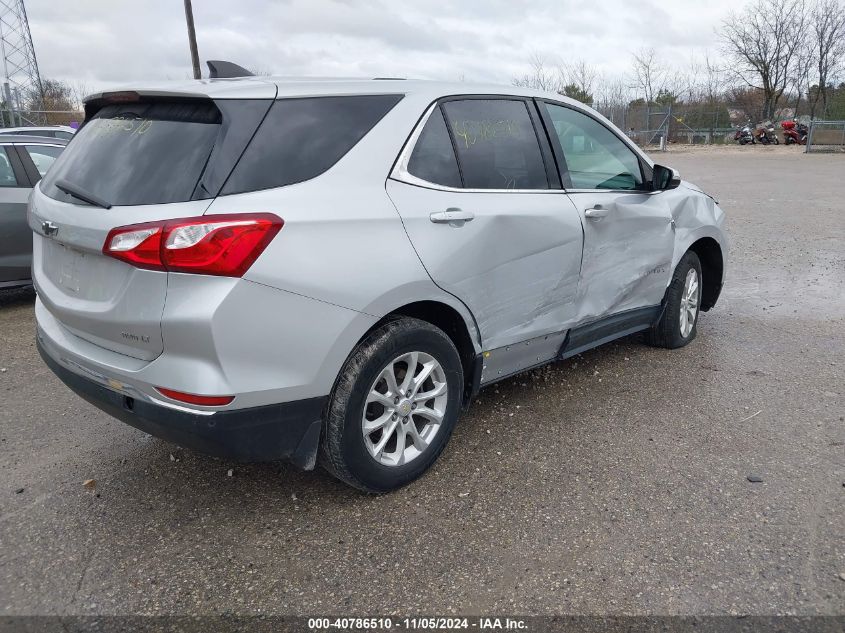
{"points": [[219, 69]]}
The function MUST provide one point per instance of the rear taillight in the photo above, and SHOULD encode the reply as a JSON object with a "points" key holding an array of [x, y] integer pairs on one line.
{"points": [[225, 245]]}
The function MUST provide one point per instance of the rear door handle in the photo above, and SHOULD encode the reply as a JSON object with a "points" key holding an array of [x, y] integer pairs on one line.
{"points": [[452, 216], [596, 213]]}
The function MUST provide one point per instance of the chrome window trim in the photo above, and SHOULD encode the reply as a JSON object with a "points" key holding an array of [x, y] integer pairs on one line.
{"points": [[618, 191], [400, 171]]}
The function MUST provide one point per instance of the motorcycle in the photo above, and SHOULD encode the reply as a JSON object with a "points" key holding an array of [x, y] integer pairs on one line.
{"points": [[744, 135], [794, 132], [765, 134]]}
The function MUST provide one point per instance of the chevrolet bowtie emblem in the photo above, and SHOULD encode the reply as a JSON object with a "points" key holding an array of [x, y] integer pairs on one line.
{"points": [[48, 228]]}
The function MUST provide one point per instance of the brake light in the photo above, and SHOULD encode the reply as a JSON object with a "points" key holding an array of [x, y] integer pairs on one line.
{"points": [[126, 96], [190, 398], [225, 245]]}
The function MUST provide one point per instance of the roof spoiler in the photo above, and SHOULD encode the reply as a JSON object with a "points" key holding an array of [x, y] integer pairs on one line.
{"points": [[226, 70]]}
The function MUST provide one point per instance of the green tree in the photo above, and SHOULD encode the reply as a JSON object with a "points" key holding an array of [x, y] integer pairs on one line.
{"points": [[666, 98], [575, 92]]}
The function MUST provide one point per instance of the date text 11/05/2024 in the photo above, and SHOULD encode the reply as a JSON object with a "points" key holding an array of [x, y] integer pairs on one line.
{"points": [[421, 623]]}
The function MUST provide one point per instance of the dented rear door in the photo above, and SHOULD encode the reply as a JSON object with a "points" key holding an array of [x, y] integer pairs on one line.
{"points": [[495, 233]]}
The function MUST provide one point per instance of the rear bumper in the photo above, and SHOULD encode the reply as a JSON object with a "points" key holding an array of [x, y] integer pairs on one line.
{"points": [[266, 433]]}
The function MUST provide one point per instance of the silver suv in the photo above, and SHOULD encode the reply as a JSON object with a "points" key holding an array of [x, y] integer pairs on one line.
{"points": [[330, 270]]}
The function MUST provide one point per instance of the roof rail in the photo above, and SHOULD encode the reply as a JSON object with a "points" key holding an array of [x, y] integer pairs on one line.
{"points": [[226, 70]]}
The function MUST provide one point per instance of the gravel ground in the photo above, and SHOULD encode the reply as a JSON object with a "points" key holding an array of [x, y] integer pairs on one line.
{"points": [[613, 483]]}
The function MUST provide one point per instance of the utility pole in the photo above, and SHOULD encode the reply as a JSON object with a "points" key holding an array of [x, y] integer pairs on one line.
{"points": [[192, 39]]}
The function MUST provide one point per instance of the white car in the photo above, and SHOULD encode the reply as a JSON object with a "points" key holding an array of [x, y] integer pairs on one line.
{"points": [[64, 132], [328, 271]]}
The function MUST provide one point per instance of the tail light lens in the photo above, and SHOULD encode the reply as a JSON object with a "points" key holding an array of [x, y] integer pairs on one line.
{"points": [[224, 245]]}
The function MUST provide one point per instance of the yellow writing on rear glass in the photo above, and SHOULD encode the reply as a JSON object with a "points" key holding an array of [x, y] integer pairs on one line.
{"points": [[468, 132], [137, 126]]}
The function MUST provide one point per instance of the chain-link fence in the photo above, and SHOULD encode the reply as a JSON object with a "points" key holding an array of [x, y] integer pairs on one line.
{"points": [[826, 136], [654, 126], [27, 118]]}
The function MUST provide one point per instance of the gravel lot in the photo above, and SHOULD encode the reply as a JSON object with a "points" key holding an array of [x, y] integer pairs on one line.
{"points": [[612, 483]]}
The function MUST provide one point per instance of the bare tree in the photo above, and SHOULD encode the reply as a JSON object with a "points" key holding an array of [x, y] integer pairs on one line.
{"points": [[706, 91], [802, 75], [578, 79], [650, 75], [611, 97], [827, 47], [764, 41], [55, 95], [79, 90], [540, 78]]}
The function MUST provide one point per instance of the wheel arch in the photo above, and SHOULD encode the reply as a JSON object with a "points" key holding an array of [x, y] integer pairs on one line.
{"points": [[712, 268], [459, 327]]}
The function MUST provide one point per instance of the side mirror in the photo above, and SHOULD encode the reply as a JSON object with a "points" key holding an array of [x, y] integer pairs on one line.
{"points": [[663, 178]]}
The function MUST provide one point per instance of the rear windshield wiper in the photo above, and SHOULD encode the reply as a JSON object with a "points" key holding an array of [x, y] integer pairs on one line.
{"points": [[78, 192]]}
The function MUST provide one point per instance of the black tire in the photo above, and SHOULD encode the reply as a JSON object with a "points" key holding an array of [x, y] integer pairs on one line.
{"points": [[343, 452], [667, 332]]}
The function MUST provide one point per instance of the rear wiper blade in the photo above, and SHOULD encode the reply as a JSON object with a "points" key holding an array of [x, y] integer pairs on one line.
{"points": [[78, 192]]}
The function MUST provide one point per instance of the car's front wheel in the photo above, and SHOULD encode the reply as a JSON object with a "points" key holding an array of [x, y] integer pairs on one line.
{"points": [[677, 324], [393, 407]]}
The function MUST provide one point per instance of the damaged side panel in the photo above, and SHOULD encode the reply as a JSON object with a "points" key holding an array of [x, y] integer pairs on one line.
{"points": [[627, 252], [629, 256], [515, 265], [696, 216]]}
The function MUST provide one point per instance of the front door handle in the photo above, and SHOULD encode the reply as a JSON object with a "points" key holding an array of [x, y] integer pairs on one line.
{"points": [[596, 213], [452, 216]]}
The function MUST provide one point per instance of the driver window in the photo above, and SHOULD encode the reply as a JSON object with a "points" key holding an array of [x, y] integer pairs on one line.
{"points": [[595, 157]]}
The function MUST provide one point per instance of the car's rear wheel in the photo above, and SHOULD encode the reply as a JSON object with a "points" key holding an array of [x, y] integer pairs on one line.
{"points": [[393, 407], [678, 323]]}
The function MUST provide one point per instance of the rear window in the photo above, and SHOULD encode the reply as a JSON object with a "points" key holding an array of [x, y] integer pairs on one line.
{"points": [[139, 153], [302, 138]]}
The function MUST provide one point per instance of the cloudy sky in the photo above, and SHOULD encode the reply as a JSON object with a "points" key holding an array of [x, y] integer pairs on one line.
{"points": [[104, 43]]}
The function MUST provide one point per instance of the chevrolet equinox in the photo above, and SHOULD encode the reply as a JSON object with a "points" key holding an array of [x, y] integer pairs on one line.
{"points": [[327, 271]]}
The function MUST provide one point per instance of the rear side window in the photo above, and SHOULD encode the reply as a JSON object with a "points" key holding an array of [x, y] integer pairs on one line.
{"points": [[496, 144], [433, 158], [139, 153], [43, 156], [302, 138]]}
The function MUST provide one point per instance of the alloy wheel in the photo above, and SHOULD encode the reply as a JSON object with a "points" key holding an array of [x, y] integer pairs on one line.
{"points": [[404, 408], [689, 302]]}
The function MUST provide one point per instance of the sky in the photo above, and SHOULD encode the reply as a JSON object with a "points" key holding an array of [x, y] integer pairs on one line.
{"points": [[107, 43]]}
